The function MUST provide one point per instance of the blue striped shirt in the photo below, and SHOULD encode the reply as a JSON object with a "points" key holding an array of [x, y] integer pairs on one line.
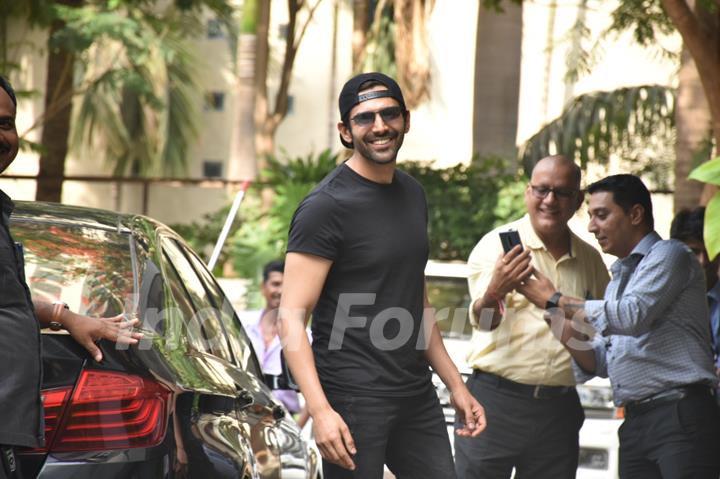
{"points": [[653, 322]]}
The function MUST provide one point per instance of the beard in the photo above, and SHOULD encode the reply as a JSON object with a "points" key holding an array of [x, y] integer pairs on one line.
{"points": [[364, 147]]}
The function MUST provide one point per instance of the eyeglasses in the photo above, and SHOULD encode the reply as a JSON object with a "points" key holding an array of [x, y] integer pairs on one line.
{"points": [[367, 118], [542, 192]]}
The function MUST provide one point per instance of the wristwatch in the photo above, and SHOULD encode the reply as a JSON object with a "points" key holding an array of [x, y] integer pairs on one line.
{"points": [[58, 307], [554, 301]]}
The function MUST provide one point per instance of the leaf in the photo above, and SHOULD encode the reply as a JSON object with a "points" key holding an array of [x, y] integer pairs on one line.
{"points": [[712, 227], [708, 172]]}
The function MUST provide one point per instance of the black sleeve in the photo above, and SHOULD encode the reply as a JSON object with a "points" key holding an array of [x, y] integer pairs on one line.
{"points": [[315, 227]]}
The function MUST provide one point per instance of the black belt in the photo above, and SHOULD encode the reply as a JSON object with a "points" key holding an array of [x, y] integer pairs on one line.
{"points": [[634, 408], [529, 390]]}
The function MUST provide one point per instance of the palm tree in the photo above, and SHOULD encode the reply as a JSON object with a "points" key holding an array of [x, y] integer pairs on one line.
{"points": [[138, 105], [137, 102], [636, 123]]}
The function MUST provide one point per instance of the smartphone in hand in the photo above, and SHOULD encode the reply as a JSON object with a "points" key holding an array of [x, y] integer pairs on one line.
{"points": [[509, 239]]}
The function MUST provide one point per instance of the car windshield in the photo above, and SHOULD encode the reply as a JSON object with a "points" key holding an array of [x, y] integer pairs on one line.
{"points": [[450, 298], [88, 268]]}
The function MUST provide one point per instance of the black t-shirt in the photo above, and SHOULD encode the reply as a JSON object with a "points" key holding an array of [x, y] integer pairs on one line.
{"points": [[367, 324]]}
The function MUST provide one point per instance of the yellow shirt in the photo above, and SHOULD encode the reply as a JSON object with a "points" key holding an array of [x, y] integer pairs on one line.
{"points": [[522, 348]]}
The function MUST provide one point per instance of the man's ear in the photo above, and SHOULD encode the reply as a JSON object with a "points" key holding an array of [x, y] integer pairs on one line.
{"points": [[344, 132], [579, 200], [407, 121], [637, 214]]}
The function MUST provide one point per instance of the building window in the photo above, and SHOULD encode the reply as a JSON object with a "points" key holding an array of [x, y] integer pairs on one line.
{"points": [[215, 28], [214, 101], [212, 169]]}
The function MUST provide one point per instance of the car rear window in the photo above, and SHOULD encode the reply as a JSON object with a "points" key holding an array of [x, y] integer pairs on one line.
{"points": [[88, 268]]}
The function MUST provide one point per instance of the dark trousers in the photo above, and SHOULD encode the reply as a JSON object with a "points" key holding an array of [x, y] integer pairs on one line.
{"points": [[537, 437], [675, 440], [408, 434]]}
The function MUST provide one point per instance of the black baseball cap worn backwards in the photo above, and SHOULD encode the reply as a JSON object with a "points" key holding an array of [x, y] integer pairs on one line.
{"points": [[350, 94]]}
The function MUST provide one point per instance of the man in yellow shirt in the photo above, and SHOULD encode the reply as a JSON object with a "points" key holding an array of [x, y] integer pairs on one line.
{"points": [[522, 375]]}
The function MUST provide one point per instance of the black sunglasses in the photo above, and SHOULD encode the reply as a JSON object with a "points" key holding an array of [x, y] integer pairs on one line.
{"points": [[367, 118]]}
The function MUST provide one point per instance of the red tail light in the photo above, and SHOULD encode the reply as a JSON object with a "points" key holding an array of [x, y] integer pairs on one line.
{"points": [[54, 401], [108, 410]]}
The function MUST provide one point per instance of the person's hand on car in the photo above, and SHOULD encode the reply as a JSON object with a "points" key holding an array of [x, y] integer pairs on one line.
{"points": [[86, 331], [333, 438]]}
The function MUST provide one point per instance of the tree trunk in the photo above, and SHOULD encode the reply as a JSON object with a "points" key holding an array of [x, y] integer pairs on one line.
{"points": [[411, 50], [700, 31], [361, 10], [242, 160], [262, 107], [58, 109], [267, 120], [693, 126], [496, 89]]}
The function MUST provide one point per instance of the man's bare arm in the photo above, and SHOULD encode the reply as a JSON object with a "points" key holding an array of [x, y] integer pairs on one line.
{"points": [[303, 281], [467, 407]]}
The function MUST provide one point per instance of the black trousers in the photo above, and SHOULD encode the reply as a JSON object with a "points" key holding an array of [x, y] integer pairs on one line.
{"points": [[675, 440], [408, 434], [537, 437]]}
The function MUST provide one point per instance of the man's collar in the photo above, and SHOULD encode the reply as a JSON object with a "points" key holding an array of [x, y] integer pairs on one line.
{"points": [[639, 251], [531, 239], [643, 247]]}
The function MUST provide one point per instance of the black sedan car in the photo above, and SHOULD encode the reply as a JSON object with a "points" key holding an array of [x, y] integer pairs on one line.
{"points": [[189, 400]]}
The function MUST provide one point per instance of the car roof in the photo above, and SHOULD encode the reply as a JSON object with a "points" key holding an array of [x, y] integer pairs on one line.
{"points": [[448, 269], [80, 216]]}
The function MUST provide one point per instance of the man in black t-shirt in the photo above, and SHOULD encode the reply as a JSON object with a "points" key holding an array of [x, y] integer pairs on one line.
{"points": [[357, 250]]}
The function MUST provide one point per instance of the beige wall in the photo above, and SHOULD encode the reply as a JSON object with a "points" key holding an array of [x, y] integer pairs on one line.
{"points": [[441, 128]]}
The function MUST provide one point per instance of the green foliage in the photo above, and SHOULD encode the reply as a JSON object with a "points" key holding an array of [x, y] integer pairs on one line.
{"points": [[262, 236], [496, 5], [139, 108], [467, 201], [134, 74], [635, 123], [464, 203], [646, 18], [248, 20], [380, 49], [202, 235], [709, 172]]}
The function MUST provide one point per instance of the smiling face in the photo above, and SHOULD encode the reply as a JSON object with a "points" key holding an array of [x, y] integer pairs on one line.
{"points": [[272, 290], [549, 215], [8, 133], [380, 141], [616, 230]]}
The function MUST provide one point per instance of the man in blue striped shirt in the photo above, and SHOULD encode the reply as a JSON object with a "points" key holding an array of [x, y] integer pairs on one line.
{"points": [[649, 335]]}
